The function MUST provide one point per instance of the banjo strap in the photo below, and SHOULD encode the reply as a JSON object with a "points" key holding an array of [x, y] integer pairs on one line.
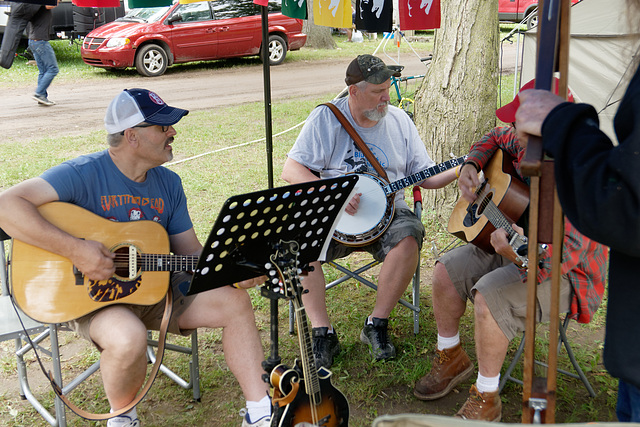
{"points": [[358, 140]]}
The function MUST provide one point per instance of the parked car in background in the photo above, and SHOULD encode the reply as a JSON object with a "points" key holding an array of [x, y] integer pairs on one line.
{"points": [[151, 39], [518, 10]]}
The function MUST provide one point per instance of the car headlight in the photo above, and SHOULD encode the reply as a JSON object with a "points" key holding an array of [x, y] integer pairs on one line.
{"points": [[118, 42]]}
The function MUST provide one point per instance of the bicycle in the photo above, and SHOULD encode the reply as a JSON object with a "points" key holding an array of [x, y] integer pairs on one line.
{"points": [[404, 102]]}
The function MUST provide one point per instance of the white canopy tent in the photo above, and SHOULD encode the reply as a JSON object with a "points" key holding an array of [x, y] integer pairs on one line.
{"points": [[601, 55]]}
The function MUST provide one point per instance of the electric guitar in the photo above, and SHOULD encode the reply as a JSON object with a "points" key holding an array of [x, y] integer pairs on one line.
{"points": [[49, 289], [302, 393], [377, 204], [501, 199]]}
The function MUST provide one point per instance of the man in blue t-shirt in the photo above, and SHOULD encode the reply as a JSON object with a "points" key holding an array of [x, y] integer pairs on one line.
{"points": [[126, 182]]}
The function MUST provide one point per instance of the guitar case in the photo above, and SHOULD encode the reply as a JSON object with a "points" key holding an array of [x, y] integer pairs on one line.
{"points": [[21, 14]]}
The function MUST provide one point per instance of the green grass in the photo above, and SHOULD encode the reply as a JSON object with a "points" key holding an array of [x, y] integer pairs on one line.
{"points": [[371, 388]]}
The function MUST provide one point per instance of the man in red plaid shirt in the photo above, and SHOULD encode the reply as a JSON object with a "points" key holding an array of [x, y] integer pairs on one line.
{"points": [[496, 284]]}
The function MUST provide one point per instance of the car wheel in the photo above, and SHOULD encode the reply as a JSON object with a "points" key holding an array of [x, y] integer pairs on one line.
{"points": [[151, 60], [277, 50], [532, 21]]}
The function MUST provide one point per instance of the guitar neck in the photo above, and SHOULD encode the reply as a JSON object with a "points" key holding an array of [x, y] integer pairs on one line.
{"points": [[164, 262], [422, 175], [312, 382], [497, 218]]}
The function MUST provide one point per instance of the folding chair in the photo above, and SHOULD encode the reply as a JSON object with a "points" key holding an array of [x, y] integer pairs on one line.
{"points": [[357, 275], [12, 320], [562, 341]]}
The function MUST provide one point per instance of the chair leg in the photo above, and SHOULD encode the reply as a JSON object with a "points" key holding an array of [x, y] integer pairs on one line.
{"points": [[507, 374], [416, 300], [562, 330], [574, 362], [194, 365], [25, 389], [61, 414]]}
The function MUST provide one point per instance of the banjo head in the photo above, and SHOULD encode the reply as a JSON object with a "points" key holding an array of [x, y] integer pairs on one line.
{"points": [[372, 217]]}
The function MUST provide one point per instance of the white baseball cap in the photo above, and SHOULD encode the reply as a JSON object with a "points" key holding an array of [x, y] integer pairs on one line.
{"points": [[134, 106]]}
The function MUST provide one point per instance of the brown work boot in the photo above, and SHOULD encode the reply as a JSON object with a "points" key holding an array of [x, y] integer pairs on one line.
{"points": [[485, 406], [449, 368]]}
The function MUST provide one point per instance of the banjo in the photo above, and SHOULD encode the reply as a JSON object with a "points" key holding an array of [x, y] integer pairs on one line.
{"points": [[377, 204]]}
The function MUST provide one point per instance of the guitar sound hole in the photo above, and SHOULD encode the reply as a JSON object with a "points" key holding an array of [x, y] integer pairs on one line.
{"points": [[482, 204], [122, 262]]}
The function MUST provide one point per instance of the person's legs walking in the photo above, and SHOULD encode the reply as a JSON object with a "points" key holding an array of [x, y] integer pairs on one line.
{"points": [[48, 68]]}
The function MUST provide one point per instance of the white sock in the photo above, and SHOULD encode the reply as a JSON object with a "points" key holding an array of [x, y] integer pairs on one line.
{"points": [[258, 410], [122, 419], [448, 342], [484, 384], [330, 330]]}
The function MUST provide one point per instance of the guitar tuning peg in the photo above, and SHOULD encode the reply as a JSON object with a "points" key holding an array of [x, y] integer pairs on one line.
{"points": [[268, 266], [275, 280], [272, 272]]}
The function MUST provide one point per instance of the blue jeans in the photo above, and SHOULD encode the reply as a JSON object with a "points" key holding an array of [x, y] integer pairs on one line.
{"points": [[47, 64], [628, 408]]}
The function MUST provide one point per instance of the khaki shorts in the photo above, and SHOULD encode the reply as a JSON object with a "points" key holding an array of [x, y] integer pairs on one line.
{"points": [[498, 280], [404, 224], [150, 315]]}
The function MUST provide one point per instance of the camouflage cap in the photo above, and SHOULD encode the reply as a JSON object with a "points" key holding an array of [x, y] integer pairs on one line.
{"points": [[370, 69]]}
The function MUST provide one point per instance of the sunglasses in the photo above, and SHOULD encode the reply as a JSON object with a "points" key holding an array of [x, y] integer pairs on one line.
{"points": [[146, 125]]}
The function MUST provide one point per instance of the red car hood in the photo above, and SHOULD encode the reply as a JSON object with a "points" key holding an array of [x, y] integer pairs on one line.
{"points": [[117, 29]]}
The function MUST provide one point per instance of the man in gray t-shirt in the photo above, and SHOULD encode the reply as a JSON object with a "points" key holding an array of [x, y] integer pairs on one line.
{"points": [[325, 149]]}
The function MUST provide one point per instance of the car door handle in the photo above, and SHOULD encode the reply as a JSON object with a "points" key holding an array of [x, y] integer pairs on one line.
{"points": [[221, 29]]}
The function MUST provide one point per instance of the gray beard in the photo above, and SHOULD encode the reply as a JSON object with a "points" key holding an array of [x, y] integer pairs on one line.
{"points": [[376, 115]]}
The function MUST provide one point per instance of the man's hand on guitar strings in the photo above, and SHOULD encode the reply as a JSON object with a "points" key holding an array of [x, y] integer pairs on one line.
{"points": [[94, 260], [352, 207], [500, 242], [468, 182]]}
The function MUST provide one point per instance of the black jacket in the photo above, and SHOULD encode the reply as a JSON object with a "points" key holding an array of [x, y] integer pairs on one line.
{"points": [[21, 14], [599, 189]]}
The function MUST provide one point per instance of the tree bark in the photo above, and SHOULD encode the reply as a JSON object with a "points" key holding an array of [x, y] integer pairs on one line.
{"points": [[455, 105], [318, 37]]}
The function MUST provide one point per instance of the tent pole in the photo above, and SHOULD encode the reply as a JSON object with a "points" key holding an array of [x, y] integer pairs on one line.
{"points": [[267, 92]]}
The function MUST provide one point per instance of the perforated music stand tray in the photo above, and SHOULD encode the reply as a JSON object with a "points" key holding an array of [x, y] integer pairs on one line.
{"points": [[250, 225]]}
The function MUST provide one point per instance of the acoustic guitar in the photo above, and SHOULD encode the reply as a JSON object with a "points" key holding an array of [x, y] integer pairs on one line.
{"points": [[501, 199], [49, 289], [302, 393]]}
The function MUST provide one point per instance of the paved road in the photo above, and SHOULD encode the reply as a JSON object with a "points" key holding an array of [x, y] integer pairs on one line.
{"points": [[81, 105]]}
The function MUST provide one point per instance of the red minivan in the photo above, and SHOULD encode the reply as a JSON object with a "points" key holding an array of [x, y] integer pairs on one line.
{"points": [[517, 10], [153, 38]]}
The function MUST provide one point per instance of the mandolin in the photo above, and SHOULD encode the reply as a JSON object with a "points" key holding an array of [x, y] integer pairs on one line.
{"points": [[303, 393]]}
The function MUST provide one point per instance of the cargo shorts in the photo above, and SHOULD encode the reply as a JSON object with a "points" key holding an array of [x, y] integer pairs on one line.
{"points": [[404, 224], [498, 280]]}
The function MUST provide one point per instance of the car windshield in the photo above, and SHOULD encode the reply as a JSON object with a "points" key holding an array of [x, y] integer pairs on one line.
{"points": [[145, 14]]}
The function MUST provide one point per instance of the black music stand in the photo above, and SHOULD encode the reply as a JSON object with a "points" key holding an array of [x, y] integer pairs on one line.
{"points": [[250, 226]]}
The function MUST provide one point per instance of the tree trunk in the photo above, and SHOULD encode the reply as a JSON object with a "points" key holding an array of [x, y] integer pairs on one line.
{"points": [[455, 105], [318, 37]]}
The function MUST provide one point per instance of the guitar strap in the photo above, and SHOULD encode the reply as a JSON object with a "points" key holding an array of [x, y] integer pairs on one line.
{"points": [[358, 140], [164, 326]]}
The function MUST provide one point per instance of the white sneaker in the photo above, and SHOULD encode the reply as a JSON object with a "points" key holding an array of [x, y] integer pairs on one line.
{"points": [[262, 422], [123, 421]]}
